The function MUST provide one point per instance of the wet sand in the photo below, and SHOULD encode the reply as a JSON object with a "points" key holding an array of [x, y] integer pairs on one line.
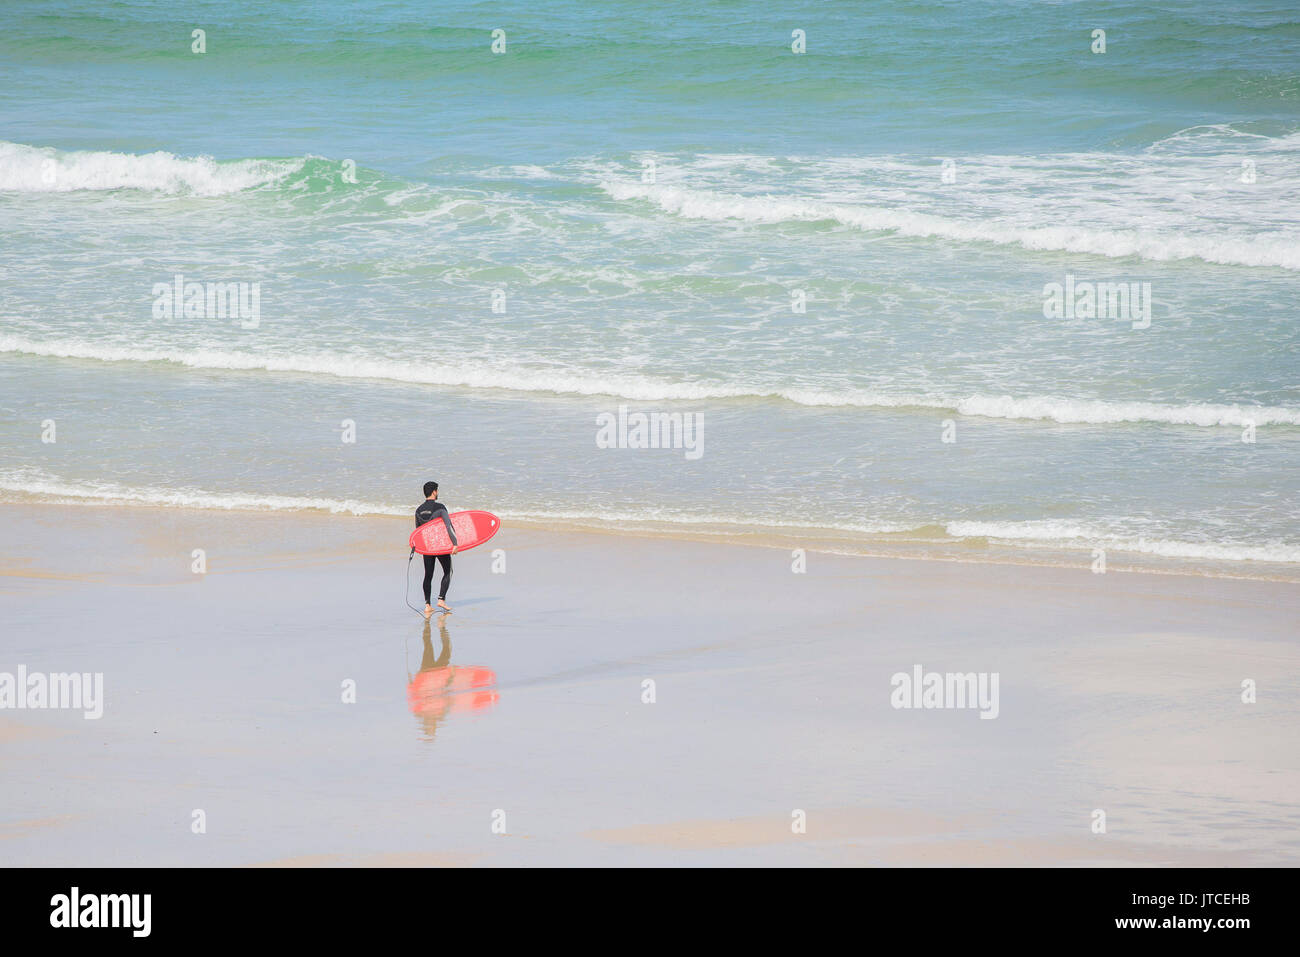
{"points": [[524, 710]]}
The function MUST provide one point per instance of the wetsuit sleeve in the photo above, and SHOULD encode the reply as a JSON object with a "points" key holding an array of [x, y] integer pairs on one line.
{"points": [[446, 520]]}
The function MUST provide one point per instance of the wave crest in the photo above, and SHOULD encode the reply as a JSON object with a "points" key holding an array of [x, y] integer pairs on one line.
{"points": [[32, 169], [1111, 243], [645, 389]]}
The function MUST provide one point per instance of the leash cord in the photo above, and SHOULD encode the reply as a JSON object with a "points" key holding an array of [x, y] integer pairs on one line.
{"points": [[406, 597]]}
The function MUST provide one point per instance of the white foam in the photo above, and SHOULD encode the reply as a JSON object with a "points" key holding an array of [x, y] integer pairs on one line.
{"points": [[45, 488], [1097, 411], [38, 485], [1066, 534], [30, 484], [31, 169], [642, 388], [463, 374], [1283, 252]]}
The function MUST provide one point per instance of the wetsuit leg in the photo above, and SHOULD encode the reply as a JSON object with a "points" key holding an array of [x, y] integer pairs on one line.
{"points": [[430, 563], [446, 574]]}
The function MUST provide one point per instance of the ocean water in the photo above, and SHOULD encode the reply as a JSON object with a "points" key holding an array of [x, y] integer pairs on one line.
{"points": [[838, 260]]}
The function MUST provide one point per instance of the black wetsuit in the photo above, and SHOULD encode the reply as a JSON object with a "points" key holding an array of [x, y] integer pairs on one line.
{"points": [[427, 512]]}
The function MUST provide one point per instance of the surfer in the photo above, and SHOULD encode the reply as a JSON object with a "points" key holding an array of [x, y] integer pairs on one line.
{"points": [[430, 509]]}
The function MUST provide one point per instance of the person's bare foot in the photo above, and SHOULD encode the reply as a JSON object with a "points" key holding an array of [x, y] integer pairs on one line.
{"points": [[428, 610], [443, 605]]}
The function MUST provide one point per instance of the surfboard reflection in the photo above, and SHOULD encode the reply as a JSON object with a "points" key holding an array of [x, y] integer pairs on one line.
{"points": [[440, 689]]}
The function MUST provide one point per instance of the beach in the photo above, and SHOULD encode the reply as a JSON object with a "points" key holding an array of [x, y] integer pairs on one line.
{"points": [[890, 414], [224, 693]]}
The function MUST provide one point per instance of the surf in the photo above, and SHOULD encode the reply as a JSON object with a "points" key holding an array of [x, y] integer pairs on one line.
{"points": [[706, 204], [32, 169], [30, 486], [470, 375]]}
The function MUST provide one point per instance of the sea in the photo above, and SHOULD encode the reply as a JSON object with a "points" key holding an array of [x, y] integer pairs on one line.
{"points": [[983, 280]]}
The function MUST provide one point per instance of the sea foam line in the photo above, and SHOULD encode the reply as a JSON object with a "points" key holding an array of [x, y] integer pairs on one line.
{"points": [[34, 169], [48, 489], [712, 205], [639, 388], [32, 484], [1063, 534]]}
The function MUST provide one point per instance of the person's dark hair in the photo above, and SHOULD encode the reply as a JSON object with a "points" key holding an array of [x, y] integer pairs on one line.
{"points": [[430, 488]]}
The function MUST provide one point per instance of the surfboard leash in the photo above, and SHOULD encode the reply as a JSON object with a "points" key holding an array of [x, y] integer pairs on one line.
{"points": [[406, 596]]}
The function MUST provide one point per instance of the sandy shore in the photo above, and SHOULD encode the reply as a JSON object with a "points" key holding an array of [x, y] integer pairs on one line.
{"points": [[224, 694]]}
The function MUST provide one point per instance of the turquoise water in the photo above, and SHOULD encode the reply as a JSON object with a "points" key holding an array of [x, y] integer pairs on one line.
{"points": [[470, 256]]}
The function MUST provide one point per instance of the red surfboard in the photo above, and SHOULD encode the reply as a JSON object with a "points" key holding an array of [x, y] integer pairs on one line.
{"points": [[472, 528]]}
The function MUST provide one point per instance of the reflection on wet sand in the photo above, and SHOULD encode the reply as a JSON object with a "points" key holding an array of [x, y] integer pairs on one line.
{"points": [[439, 688]]}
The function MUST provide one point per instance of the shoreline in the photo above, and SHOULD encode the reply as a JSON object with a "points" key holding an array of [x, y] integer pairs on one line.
{"points": [[974, 550]]}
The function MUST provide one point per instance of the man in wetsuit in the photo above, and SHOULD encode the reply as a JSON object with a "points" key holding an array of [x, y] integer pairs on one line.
{"points": [[429, 510]]}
